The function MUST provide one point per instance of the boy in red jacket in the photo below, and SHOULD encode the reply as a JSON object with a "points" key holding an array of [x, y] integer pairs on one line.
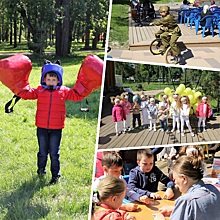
{"points": [[50, 115]]}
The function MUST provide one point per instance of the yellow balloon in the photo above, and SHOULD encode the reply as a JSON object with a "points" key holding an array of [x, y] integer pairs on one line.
{"points": [[191, 98], [182, 86], [193, 91], [170, 99], [195, 107], [184, 93], [191, 111], [197, 94], [188, 91], [167, 91], [179, 90]]}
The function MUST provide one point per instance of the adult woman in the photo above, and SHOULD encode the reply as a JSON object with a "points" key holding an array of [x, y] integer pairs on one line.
{"points": [[199, 201]]}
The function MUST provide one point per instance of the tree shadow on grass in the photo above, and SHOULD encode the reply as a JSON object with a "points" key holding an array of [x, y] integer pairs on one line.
{"points": [[19, 204]]}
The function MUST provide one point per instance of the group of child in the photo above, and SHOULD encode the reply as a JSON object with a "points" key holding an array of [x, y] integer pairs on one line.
{"points": [[179, 110], [142, 185]]}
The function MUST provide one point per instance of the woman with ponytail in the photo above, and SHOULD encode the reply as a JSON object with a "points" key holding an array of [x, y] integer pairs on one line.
{"points": [[199, 201]]}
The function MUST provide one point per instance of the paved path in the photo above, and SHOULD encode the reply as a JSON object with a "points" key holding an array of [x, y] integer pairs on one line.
{"points": [[199, 57]]}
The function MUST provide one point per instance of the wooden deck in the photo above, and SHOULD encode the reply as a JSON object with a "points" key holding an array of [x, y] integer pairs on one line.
{"points": [[137, 138], [141, 37]]}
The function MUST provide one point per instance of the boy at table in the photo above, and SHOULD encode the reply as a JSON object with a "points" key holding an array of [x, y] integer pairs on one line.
{"points": [[144, 178], [112, 165]]}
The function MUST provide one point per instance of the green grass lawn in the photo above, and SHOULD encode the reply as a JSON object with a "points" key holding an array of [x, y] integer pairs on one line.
{"points": [[23, 195], [118, 35]]}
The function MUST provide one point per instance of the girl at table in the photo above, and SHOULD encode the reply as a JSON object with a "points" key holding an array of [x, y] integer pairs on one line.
{"points": [[198, 200], [184, 107], [109, 197]]}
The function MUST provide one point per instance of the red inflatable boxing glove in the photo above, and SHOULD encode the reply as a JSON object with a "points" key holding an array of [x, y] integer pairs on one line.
{"points": [[14, 72], [90, 75]]}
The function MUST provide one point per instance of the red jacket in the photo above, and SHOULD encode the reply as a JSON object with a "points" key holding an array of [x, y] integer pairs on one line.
{"points": [[200, 113], [51, 110], [104, 212]]}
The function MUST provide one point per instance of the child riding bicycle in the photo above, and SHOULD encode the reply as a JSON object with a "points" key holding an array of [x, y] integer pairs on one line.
{"points": [[169, 32]]}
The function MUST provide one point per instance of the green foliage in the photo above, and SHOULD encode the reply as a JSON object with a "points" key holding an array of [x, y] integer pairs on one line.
{"points": [[23, 195], [158, 77], [118, 36]]}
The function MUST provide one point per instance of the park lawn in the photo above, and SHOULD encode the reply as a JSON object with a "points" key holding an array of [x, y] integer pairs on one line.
{"points": [[23, 195], [22, 47], [118, 35]]}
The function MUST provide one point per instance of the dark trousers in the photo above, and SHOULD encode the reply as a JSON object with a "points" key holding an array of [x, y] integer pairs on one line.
{"points": [[163, 124], [138, 118], [49, 143]]}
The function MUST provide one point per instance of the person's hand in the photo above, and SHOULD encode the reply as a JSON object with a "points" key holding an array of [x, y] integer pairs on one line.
{"points": [[169, 194], [144, 199], [130, 207], [155, 196], [166, 210], [159, 216], [129, 217]]}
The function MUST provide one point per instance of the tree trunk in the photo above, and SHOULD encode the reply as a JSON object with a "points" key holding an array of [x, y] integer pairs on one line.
{"points": [[88, 21], [11, 32], [58, 31], [15, 33], [20, 31], [95, 41]]}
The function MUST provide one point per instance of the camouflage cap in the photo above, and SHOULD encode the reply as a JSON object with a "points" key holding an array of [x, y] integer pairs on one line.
{"points": [[164, 8]]}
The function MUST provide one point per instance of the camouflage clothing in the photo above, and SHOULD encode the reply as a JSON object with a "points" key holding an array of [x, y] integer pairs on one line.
{"points": [[169, 32]]}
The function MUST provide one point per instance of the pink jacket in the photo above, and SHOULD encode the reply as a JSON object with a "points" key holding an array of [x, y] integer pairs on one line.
{"points": [[118, 113], [199, 110], [126, 106]]}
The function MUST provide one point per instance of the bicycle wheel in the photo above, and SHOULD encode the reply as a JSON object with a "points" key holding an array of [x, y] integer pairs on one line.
{"points": [[156, 47], [169, 57]]}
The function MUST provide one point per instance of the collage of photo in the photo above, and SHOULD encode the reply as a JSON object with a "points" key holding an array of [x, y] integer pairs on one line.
{"points": [[158, 145]]}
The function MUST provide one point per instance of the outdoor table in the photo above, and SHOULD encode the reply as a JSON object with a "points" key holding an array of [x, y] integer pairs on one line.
{"points": [[146, 211]]}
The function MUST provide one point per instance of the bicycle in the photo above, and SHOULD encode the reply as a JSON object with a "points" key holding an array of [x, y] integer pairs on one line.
{"points": [[157, 47]]}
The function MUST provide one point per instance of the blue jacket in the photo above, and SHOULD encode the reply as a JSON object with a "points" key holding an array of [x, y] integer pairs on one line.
{"points": [[146, 183], [201, 202]]}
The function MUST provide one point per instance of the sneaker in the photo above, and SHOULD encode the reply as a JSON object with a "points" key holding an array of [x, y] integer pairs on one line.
{"points": [[199, 130], [129, 129], [117, 134], [178, 131], [162, 130], [150, 129], [177, 59], [155, 129], [172, 130], [167, 131], [182, 134], [192, 134], [54, 180], [204, 129]]}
